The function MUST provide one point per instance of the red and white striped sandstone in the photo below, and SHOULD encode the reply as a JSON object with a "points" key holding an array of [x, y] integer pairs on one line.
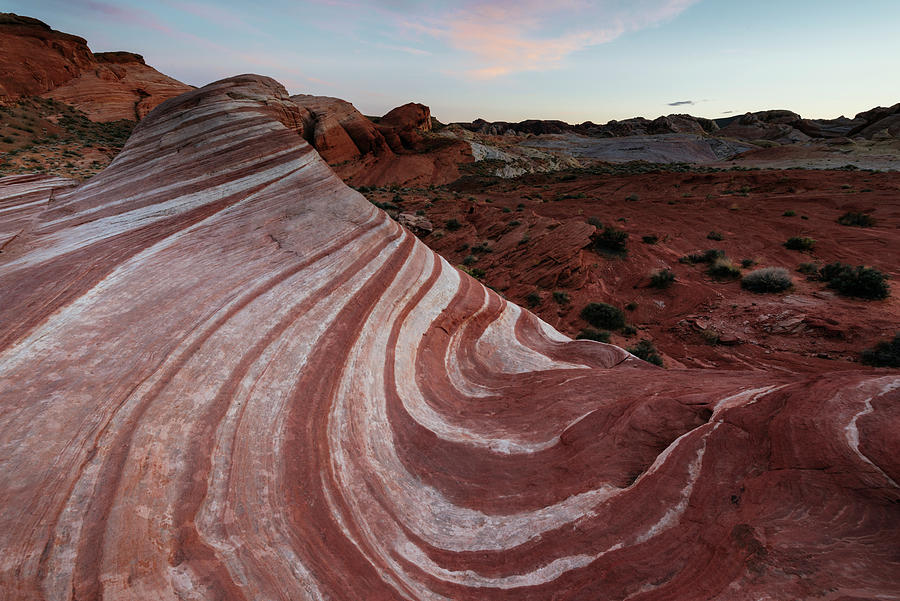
{"points": [[225, 375]]}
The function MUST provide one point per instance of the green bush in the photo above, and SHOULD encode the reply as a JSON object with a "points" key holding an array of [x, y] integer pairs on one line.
{"points": [[602, 315], [452, 225], [646, 351], [723, 269], [799, 243], [707, 256], [714, 235], [767, 279], [593, 334], [652, 239], [859, 281], [611, 239], [883, 354], [470, 259], [662, 278], [811, 270], [856, 219], [629, 331], [631, 306], [533, 299], [789, 213], [561, 297]]}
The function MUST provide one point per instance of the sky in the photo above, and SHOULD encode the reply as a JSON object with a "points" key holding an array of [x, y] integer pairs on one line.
{"points": [[574, 60]]}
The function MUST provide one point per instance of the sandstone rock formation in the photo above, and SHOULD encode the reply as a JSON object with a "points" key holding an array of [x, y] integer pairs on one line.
{"points": [[228, 376], [391, 151], [36, 60]]}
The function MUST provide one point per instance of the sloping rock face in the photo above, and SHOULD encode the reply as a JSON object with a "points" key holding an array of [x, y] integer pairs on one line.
{"points": [[228, 376], [393, 151], [36, 60]]}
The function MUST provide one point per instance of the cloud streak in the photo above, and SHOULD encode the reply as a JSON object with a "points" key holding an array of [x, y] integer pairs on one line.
{"points": [[503, 36]]}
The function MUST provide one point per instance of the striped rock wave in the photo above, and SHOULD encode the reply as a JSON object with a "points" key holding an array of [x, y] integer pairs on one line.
{"points": [[226, 375]]}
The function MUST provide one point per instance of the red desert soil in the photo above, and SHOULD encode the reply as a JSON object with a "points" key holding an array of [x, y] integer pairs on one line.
{"points": [[226, 375], [539, 239]]}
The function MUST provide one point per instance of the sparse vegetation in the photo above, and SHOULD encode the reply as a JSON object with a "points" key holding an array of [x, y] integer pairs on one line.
{"points": [[707, 256], [647, 351], [533, 299], [662, 278], [452, 225], [561, 297], [651, 239], [631, 306], [789, 213], [856, 219], [714, 235], [603, 315], [859, 281], [799, 243], [593, 334], [723, 269], [611, 239], [747, 263], [767, 279], [883, 354]]}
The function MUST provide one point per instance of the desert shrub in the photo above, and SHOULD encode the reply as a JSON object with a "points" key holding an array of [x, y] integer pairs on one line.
{"points": [[631, 306], [714, 235], [856, 219], [707, 256], [647, 351], [611, 239], [799, 243], [470, 259], [859, 281], [482, 248], [629, 331], [475, 272], [561, 297], [632, 197], [602, 315], [514, 223], [8, 140], [767, 279], [596, 222], [452, 225], [651, 239], [525, 239], [723, 269], [662, 278], [506, 210], [593, 334], [789, 213], [747, 263], [883, 354], [533, 299], [811, 270]]}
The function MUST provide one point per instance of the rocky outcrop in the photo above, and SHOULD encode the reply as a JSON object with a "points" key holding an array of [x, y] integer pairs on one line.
{"points": [[394, 150], [36, 60], [227, 375]]}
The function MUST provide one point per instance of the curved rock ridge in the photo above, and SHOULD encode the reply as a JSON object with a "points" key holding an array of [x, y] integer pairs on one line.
{"points": [[225, 375]]}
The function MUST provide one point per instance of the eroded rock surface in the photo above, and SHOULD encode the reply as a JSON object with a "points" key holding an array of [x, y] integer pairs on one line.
{"points": [[36, 60], [228, 376]]}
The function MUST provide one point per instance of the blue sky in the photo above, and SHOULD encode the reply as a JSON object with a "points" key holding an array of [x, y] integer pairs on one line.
{"points": [[574, 60]]}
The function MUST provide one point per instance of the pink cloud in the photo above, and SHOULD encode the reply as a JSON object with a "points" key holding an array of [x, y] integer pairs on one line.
{"points": [[528, 35]]}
